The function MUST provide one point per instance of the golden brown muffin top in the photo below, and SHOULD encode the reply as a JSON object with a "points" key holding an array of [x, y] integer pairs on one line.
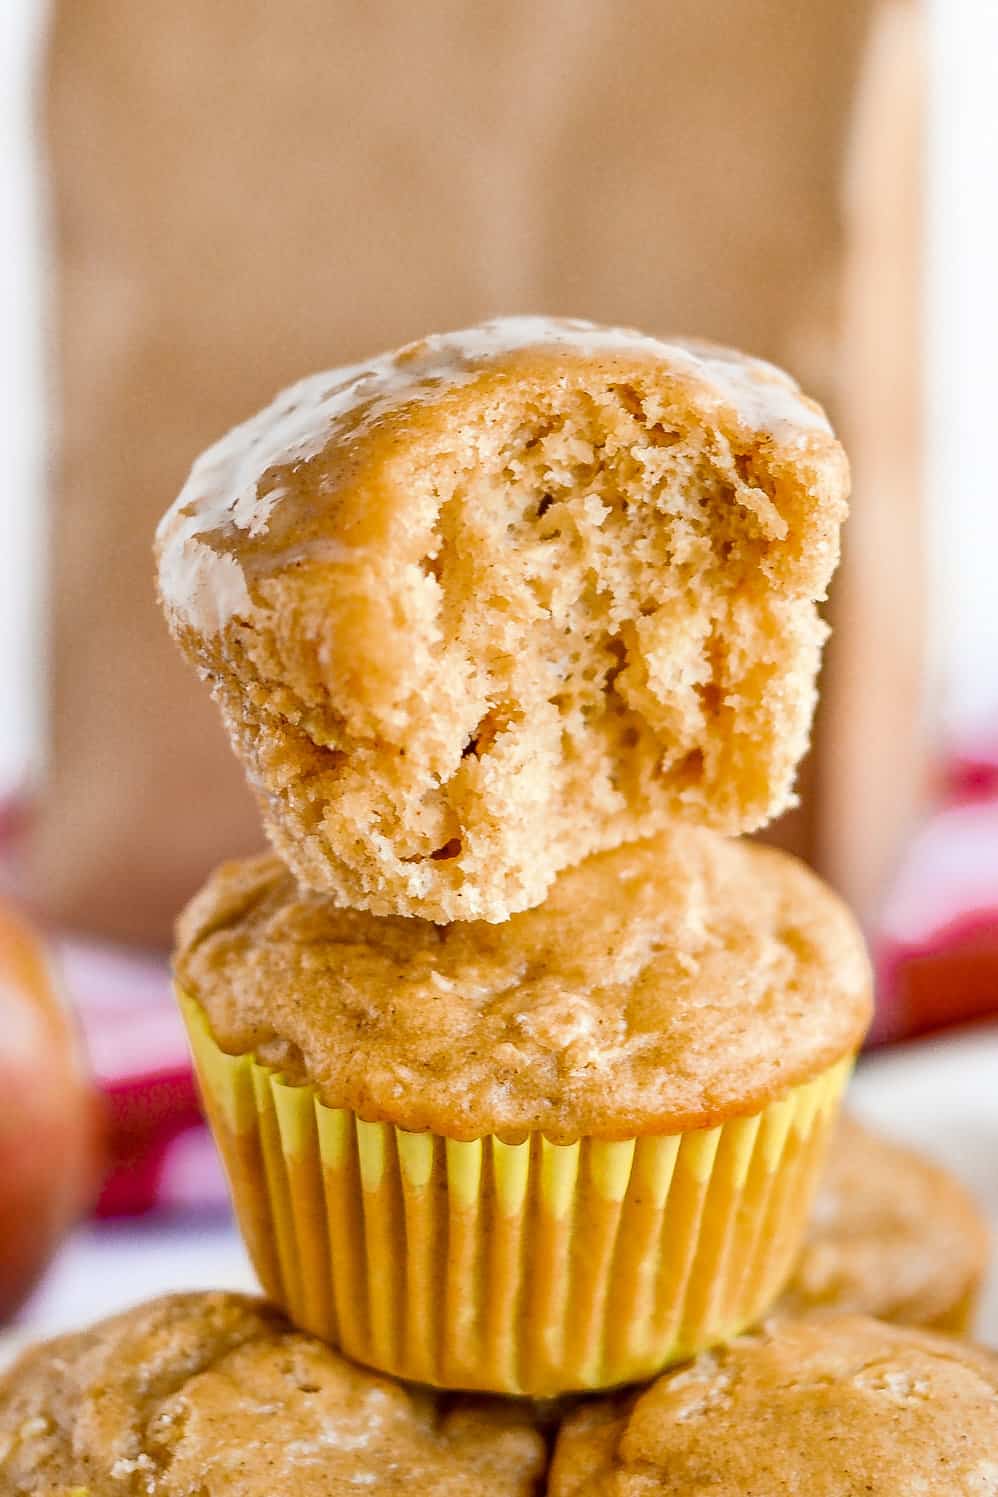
{"points": [[892, 1235], [667, 985], [216, 1395], [828, 1406], [238, 514]]}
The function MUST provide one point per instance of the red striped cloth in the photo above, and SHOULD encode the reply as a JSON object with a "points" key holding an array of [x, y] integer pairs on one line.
{"points": [[936, 948], [160, 1154]]}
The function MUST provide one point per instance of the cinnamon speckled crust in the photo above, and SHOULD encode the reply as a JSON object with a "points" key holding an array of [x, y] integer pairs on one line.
{"points": [[506, 597], [666, 985], [892, 1235], [214, 1395], [828, 1406]]}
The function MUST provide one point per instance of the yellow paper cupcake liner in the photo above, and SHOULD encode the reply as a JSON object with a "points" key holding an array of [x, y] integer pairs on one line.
{"points": [[533, 1268]]}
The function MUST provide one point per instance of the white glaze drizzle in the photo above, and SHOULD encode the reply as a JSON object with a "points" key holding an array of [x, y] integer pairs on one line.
{"points": [[206, 588]]}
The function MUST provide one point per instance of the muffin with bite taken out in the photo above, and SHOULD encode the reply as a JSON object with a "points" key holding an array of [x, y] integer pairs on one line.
{"points": [[481, 607]]}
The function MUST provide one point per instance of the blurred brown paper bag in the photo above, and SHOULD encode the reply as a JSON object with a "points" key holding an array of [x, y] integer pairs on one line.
{"points": [[245, 192]]}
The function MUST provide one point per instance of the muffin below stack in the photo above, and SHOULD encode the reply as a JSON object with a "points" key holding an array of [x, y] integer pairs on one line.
{"points": [[892, 1235], [828, 1406], [215, 1393], [546, 1156]]}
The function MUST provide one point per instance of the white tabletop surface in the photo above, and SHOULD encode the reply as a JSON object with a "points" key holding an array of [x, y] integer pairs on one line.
{"points": [[939, 1094]]}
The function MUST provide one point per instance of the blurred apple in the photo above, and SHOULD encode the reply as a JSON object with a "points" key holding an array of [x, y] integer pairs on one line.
{"points": [[49, 1115]]}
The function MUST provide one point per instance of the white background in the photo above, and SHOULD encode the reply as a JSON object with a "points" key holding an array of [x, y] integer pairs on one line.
{"points": [[21, 403]]}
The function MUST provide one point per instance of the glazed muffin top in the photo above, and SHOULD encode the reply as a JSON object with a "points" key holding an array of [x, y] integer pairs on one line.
{"points": [[830, 1406], [667, 985], [477, 608], [892, 1235], [215, 1394]]}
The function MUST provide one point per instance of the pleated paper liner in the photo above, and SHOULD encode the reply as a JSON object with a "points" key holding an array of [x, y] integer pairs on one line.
{"points": [[532, 1268]]}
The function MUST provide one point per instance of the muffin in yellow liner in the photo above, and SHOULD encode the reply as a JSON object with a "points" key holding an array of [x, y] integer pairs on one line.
{"points": [[553, 1155]]}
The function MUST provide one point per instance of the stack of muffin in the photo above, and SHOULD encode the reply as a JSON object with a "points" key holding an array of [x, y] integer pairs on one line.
{"points": [[522, 1066]]}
